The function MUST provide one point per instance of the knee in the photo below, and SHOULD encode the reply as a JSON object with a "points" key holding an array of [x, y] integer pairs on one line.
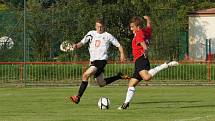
{"points": [[145, 75], [101, 85], [131, 85], [85, 76], [133, 82], [101, 82], [146, 78]]}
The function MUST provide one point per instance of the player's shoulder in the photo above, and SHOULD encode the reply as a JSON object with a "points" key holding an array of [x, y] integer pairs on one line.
{"points": [[139, 32], [148, 29], [92, 32], [108, 34]]}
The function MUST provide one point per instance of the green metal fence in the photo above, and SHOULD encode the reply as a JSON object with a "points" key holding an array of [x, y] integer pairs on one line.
{"points": [[70, 73]]}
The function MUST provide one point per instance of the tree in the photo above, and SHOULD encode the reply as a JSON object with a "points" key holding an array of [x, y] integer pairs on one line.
{"points": [[52, 21], [14, 4]]}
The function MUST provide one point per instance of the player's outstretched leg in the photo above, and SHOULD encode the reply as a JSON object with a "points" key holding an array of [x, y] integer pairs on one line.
{"points": [[117, 77], [172, 64], [166, 65], [124, 76]]}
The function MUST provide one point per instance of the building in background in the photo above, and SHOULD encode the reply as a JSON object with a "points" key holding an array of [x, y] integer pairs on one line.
{"points": [[201, 27]]}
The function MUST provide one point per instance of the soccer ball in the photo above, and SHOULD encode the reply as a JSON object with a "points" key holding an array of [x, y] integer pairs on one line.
{"points": [[6, 42], [66, 46], [104, 103]]}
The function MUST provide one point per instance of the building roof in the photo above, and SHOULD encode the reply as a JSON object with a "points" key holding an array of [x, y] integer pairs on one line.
{"points": [[205, 11]]}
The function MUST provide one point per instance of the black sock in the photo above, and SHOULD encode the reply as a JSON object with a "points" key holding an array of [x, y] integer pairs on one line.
{"points": [[82, 88], [112, 79]]}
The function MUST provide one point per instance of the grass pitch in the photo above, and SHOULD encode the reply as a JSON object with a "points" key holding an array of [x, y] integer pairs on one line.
{"points": [[149, 104]]}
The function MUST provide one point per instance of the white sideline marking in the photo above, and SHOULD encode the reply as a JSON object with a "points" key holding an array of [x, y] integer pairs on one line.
{"points": [[194, 119]]}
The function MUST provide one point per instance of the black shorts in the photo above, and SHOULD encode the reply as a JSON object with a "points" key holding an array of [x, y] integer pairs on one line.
{"points": [[141, 63], [100, 65]]}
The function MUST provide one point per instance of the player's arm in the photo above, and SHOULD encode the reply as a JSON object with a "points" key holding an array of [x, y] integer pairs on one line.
{"points": [[115, 42], [77, 45], [145, 47], [122, 54], [148, 30], [86, 38], [148, 21], [143, 44]]}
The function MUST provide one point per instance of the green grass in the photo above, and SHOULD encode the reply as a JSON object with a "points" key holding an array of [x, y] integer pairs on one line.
{"points": [[149, 104]]}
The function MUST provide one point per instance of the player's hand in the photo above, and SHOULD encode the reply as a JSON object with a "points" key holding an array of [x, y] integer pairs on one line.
{"points": [[74, 46], [146, 17], [122, 59], [145, 54]]}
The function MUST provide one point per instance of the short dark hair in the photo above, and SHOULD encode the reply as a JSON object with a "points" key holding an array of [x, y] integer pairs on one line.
{"points": [[100, 20], [138, 21]]}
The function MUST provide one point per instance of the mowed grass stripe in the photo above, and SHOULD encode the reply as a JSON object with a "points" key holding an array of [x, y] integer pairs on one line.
{"points": [[149, 104]]}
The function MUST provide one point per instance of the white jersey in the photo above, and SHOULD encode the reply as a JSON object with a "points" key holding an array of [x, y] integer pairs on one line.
{"points": [[99, 44]]}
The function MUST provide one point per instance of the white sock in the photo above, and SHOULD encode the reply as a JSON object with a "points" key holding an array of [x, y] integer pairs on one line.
{"points": [[157, 69], [130, 94]]}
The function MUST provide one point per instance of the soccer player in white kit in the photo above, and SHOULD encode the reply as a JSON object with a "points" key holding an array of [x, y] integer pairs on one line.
{"points": [[99, 41]]}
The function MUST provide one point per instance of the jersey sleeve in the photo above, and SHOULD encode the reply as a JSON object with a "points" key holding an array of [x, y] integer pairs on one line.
{"points": [[114, 41], [88, 37]]}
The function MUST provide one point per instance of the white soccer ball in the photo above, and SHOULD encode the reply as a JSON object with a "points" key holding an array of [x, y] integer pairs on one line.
{"points": [[104, 103], [66, 46], [6, 42]]}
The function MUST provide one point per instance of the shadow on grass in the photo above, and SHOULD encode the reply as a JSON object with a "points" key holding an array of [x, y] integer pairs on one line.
{"points": [[157, 102], [176, 102], [198, 106]]}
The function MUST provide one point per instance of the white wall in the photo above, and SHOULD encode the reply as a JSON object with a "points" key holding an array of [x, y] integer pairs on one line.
{"points": [[200, 29]]}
